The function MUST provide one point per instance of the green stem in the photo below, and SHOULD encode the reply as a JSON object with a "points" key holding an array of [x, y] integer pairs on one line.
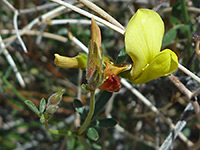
{"points": [[185, 12], [85, 144], [186, 21], [90, 114], [56, 132], [13, 89]]}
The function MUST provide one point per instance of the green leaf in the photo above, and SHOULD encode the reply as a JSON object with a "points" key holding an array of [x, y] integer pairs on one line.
{"points": [[183, 28], [104, 123], [32, 107], [122, 56], [42, 105], [169, 37], [79, 107], [101, 102], [93, 134]]}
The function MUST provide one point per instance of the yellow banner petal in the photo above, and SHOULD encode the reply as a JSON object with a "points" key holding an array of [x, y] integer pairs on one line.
{"points": [[143, 38], [163, 64]]}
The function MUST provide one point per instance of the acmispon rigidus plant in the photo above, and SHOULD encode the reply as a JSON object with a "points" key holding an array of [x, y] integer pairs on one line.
{"points": [[143, 40], [101, 72]]}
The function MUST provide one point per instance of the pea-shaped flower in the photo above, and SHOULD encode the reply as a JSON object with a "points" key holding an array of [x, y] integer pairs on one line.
{"points": [[143, 40], [101, 72]]}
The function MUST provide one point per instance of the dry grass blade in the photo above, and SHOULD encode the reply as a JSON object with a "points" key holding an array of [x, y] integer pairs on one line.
{"points": [[101, 13]]}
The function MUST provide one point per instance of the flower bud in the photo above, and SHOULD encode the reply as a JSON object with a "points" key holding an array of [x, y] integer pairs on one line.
{"points": [[79, 61], [53, 101], [94, 71], [52, 109]]}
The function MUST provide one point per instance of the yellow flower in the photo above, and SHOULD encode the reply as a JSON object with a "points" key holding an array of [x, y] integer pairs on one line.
{"points": [[143, 40], [101, 72], [110, 83]]}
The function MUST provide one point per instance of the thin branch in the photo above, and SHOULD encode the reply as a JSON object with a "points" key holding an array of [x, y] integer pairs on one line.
{"points": [[189, 73], [12, 63], [77, 42], [33, 32], [39, 37], [77, 120], [139, 139], [89, 15], [17, 31], [196, 38], [169, 9], [174, 133], [121, 129], [44, 17], [182, 122], [15, 24], [71, 21], [37, 8], [188, 93], [101, 12], [37, 20], [195, 93], [9, 5], [154, 109]]}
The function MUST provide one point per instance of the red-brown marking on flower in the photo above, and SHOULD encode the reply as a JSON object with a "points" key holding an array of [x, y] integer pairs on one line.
{"points": [[111, 84]]}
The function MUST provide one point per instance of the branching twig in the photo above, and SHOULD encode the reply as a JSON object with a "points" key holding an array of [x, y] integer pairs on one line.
{"points": [[139, 139], [11, 62], [17, 31], [179, 126], [188, 93], [37, 8], [154, 109], [15, 24], [195, 93], [182, 122], [101, 12], [36, 20], [89, 15], [77, 42], [33, 32], [9, 5], [121, 129]]}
